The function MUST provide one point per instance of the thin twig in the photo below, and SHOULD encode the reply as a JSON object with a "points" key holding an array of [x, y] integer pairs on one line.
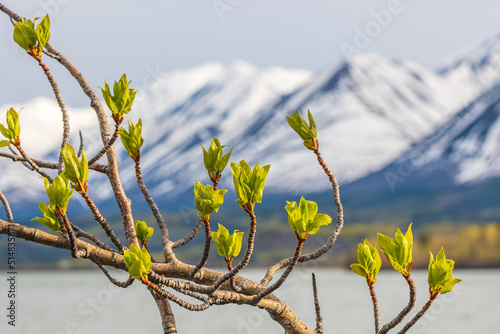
{"points": [[177, 300], [285, 275], [107, 146], [102, 221], [49, 165], [80, 147], [333, 236], [8, 211], [188, 237], [83, 234], [167, 251], [411, 303], [113, 280], [419, 314], [25, 164], [75, 252], [62, 106], [376, 312], [317, 310], [33, 164], [206, 248]]}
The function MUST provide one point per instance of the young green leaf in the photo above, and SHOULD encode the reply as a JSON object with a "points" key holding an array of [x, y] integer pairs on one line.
{"points": [[304, 219], [32, 39], [228, 246], [59, 192], [49, 217], [307, 132], [138, 262], [398, 251], [13, 129], [132, 139], [369, 262], [440, 274], [214, 160], [121, 99], [76, 170], [249, 184], [206, 199], [143, 231]]}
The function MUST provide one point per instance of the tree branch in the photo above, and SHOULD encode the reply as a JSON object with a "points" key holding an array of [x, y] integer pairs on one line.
{"points": [[376, 312], [319, 320], [333, 236], [411, 303], [167, 250], [419, 314], [206, 248], [8, 211], [188, 237]]}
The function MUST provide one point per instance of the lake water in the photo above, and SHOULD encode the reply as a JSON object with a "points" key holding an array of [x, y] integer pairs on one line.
{"points": [[86, 303]]}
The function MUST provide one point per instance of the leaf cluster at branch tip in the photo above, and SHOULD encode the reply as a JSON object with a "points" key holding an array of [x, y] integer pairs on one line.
{"points": [[228, 246], [121, 99], [132, 139], [304, 218], [214, 160], [13, 129], [138, 262], [398, 251], [207, 200], [249, 184], [369, 262], [307, 132], [32, 39], [440, 274]]}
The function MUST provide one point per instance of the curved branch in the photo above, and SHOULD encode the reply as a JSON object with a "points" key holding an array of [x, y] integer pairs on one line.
{"points": [[331, 239], [81, 233], [285, 275], [411, 303], [167, 251], [419, 315], [8, 211], [206, 248], [33, 164], [102, 221], [107, 146], [188, 237], [113, 280], [62, 106]]}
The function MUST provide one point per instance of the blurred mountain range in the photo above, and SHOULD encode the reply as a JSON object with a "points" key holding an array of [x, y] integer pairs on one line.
{"points": [[398, 136]]}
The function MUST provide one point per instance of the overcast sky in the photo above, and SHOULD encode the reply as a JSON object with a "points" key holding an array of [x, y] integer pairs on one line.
{"points": [[104, 39]]}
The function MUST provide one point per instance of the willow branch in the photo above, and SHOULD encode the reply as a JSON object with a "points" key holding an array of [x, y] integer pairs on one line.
{"points": [[285, 275], [177, 300], [102, 221], [167, 251], [317, 310], [411, 303], [206, 248], [419, 314], [49, 165], [106, 148], [62, 106], [113, 280], [8, 211], [188, 237], [331, 239]]}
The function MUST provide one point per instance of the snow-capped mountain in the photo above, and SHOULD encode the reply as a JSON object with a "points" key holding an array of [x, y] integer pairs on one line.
{"points": [[368, 112], [466, 149], [476, 69]]}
